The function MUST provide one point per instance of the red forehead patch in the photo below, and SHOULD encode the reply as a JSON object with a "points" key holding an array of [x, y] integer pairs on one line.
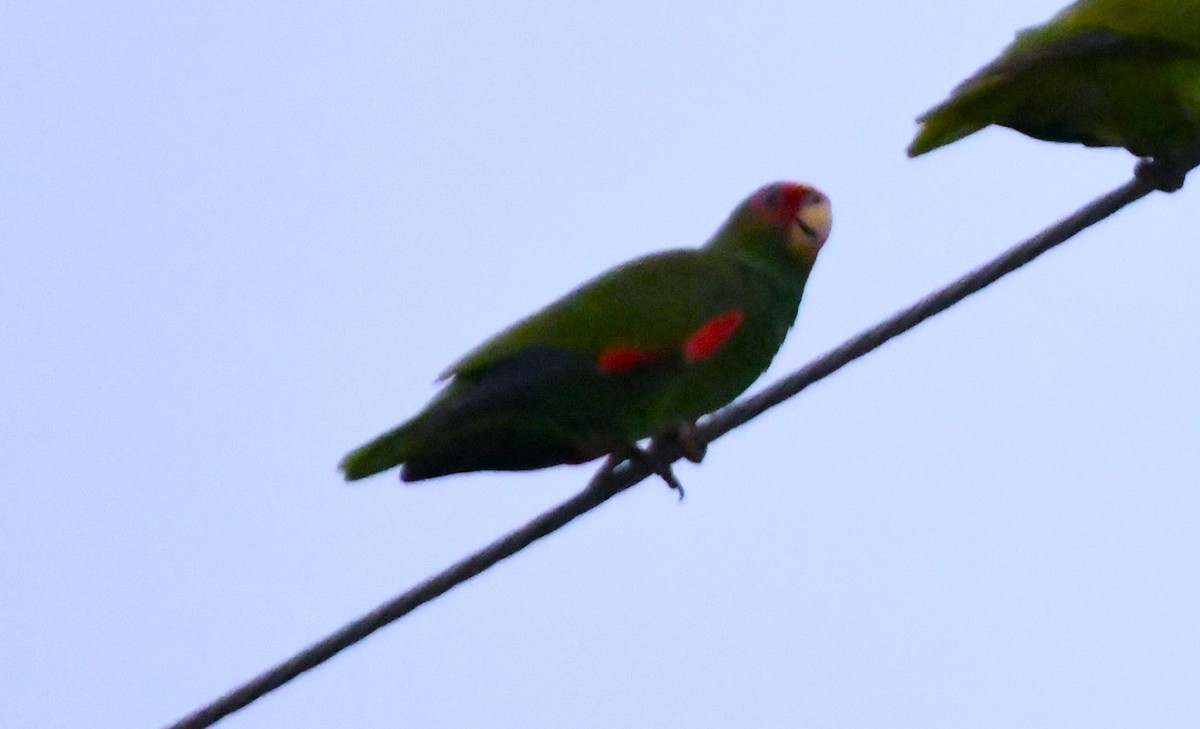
{"points": [[782, 199]]}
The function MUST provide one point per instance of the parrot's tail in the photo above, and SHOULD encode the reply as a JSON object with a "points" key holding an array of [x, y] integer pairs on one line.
{"points": [[940, 130], [388, 450], [976, 103]]}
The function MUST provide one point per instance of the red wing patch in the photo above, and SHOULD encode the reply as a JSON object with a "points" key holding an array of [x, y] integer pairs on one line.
{"points": [[712, 335], [619, 359], [702, 344]]}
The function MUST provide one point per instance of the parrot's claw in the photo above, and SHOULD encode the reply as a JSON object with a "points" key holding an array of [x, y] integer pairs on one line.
{"points": [[1161, 174], [657, 465], [666, 474]]}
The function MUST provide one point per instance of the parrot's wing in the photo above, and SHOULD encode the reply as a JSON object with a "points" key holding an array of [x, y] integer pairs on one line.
{"points": [[1091, 43], [682, 303], [483, 422], [1038, 48]]}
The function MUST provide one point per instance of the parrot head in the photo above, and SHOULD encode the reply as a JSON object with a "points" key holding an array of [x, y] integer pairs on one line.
{"points": [[785, 218]]}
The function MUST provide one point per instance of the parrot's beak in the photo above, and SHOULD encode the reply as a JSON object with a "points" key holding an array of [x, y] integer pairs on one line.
{"points": [[814, 220]]}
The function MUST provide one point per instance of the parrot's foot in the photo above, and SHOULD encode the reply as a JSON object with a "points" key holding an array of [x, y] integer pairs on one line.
{"points": [[655, 464], [1161, 173], [689, 442], [687, 439]]}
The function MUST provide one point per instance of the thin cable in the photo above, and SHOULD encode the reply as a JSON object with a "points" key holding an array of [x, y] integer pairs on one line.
{"points": [[615, 477]]}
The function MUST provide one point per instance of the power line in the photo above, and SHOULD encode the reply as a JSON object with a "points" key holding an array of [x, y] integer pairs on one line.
{"points": [[615, 476]]}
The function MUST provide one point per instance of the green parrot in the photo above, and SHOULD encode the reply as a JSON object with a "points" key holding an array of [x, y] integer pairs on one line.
{"points": [[640, 351], [1103, 73]]}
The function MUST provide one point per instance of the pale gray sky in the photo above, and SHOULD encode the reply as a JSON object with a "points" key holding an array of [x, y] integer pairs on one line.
{"points": [[238, 241]]}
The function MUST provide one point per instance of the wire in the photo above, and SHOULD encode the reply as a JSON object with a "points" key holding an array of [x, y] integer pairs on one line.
{"points": [[616, 476]]}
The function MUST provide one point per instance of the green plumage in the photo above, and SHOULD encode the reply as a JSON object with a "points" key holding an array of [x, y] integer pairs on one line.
{"points": [[1103, 73], [630, 354]]}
